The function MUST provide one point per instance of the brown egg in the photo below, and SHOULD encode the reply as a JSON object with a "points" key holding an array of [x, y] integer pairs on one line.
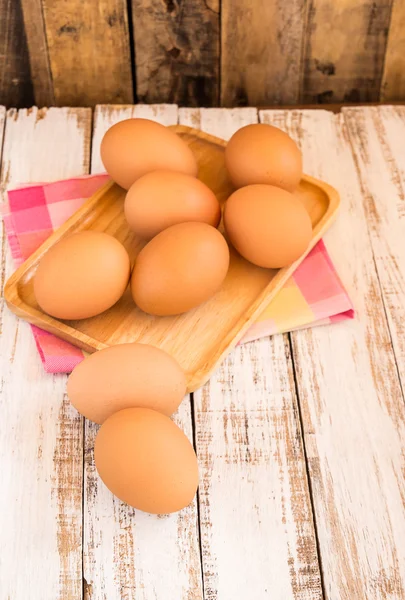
{"points": [[146, 461], [134, 147], [267, 225], [262, 153], [82, 275], [163, 198], [126, 376], [179, 269]]}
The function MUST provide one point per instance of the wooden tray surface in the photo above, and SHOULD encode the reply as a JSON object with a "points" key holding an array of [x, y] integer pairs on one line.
{"points": [[198, 339]]}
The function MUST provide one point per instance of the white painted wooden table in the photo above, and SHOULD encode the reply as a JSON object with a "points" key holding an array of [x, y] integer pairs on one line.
{"points": [[300, 438]]}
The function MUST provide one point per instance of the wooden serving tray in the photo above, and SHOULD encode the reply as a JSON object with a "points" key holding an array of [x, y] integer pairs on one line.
{"points": [[201, 338]]}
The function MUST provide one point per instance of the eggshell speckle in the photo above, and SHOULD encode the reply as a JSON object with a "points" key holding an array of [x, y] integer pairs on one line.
{"points": [[179, 269], [82, 275], [146, 461], [267, 225], [261, 153], [163, 198], [134, 147], [126, 376]]}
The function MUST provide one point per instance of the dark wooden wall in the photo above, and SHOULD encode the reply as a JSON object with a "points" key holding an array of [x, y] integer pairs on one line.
{"points": [[201, 52]]}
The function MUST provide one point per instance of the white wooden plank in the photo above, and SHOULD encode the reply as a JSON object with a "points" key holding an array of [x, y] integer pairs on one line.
{"points": [[257, 532], [190, 117], [352, 407], [129, 555], [377, 136], [223, 122], [40, 436]]}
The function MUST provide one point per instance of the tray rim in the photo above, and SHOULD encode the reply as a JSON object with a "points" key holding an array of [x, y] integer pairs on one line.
{"points": [[65, 331]]}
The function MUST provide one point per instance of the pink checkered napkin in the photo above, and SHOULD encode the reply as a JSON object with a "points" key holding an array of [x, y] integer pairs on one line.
{"points": [[313, 296], [33, 212]]}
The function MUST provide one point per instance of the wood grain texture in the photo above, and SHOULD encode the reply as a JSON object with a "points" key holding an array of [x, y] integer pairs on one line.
{"points": [[177, 51], [257, 533], [261, 51], [377, 136], [351, 401], [393, 80], [89, 54], [15, 81], [41, 437], [34, 27], [129, 555], [344, 50]]}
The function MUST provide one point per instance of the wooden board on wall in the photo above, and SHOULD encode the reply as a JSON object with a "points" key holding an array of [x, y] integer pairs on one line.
{"points": [[344, 50], [89, 53], [393, 82], [15, 80], [177, 51], [261, 44], [38, 52]]}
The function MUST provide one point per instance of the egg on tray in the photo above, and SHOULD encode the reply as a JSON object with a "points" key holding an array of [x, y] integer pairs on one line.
{"points": [[261, 153], [134, 147], [82, 275], [267, 225], [179, 269], [164, 198]]}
